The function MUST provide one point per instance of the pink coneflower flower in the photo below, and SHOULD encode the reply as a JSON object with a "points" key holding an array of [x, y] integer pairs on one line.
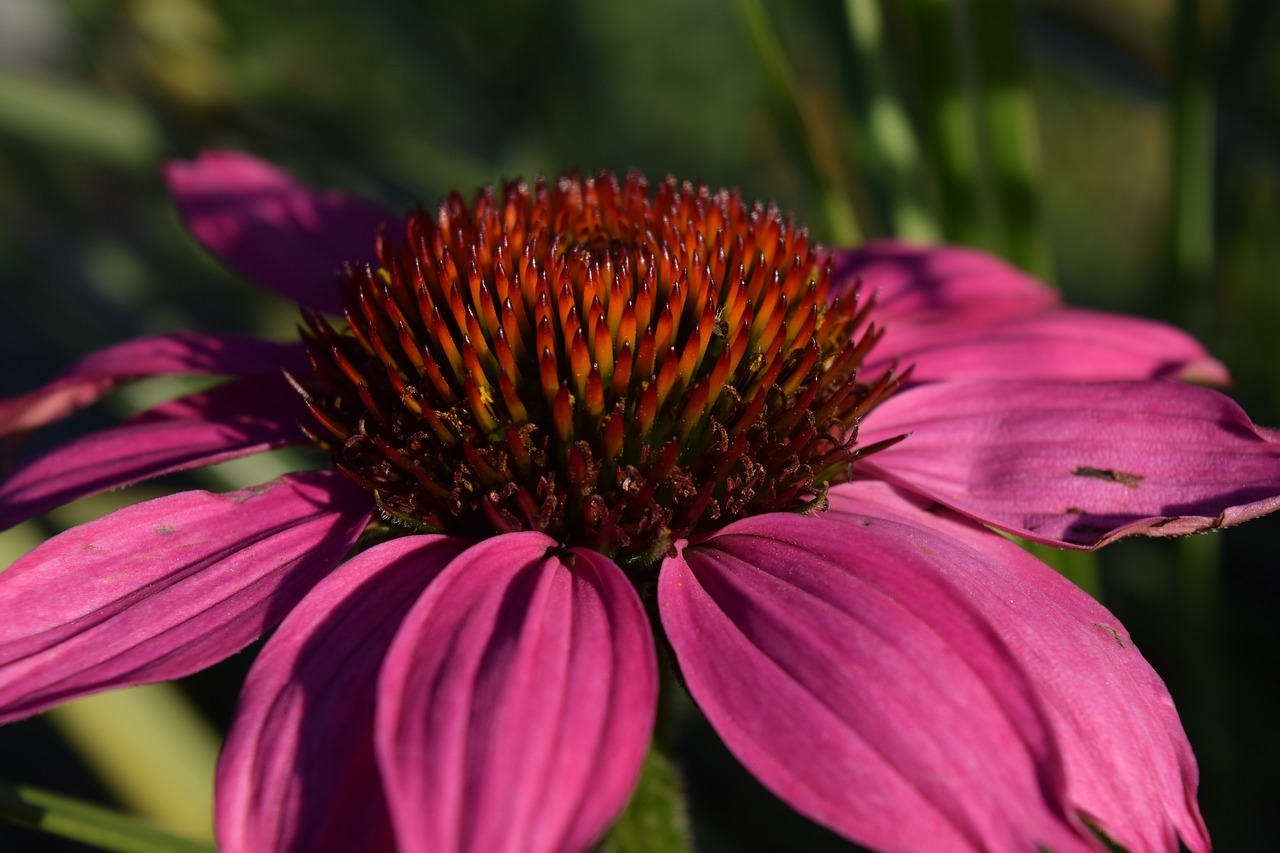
{"points": [[566, 418]]}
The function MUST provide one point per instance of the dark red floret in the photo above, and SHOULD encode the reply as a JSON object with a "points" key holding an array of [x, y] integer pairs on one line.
{"points": [[614, 367]]}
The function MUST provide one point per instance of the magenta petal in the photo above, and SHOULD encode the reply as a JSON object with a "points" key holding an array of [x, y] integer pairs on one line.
{"points": [[269, 227], [188, 354], [237, 419], [1129, 767], [951, 283], [517, 701], [1059, 343], [843, 669], [167, 587], [298, 770], [1081, 464]]}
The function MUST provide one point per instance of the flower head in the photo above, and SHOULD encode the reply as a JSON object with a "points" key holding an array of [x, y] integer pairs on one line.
{"points": [[559, 405], [614, 370]]}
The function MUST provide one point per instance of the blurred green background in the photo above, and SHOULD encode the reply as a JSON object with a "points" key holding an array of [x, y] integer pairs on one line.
{"points": [[1127, 150]]}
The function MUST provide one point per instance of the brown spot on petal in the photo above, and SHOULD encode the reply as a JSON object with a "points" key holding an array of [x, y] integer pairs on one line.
{"points": [[1124, 478], [1084, 533], [254, 491], [1112, 631], [164, 530]]}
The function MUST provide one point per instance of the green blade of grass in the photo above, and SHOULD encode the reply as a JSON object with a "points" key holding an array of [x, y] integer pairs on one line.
{"points": [[88, 823]]}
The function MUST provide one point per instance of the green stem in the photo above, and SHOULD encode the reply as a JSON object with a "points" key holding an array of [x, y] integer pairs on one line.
{"points": [[1194, 111], [1009, 117], [151, 748], [882, 130], [949, 118], [1197, 581]]}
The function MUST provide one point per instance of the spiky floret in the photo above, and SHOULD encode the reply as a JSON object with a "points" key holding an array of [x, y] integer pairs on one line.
{"points": [[614, 368]]}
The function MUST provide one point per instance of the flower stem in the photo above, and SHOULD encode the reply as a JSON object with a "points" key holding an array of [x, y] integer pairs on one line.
{"points": [[1009, 120], [883, 134], [1194, 111], [1197, 581], [151, 748], [947, 87]]}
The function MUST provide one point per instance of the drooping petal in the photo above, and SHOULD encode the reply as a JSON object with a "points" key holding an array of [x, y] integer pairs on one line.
{"points": [[298, 770], [1059, 343], [517, 701], [271, 228], [951, 283], [164, 588], [237, 419], [187, 354], [840, 666], [1080, 464], [1129, 767]]}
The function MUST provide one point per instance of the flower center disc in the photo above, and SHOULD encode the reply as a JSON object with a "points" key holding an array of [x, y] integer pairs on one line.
{"points": [[613, 369]]}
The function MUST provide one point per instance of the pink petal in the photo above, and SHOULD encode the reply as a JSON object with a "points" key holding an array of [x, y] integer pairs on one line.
{"points": [[167, 587], [237, 419], [1079, 464], [517, 701], [843, 669], [187, 354], [298, 771], [1129, 767], [1057, 343], [952, 283], [271, 228]]}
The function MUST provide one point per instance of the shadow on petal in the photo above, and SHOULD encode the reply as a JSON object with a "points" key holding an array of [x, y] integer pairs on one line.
{"points": [[298, 771], [861, 687], [517, 701]]}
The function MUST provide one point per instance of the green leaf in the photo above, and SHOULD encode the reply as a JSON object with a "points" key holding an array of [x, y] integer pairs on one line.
{"points": [[81, 821], [657, 818]]}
